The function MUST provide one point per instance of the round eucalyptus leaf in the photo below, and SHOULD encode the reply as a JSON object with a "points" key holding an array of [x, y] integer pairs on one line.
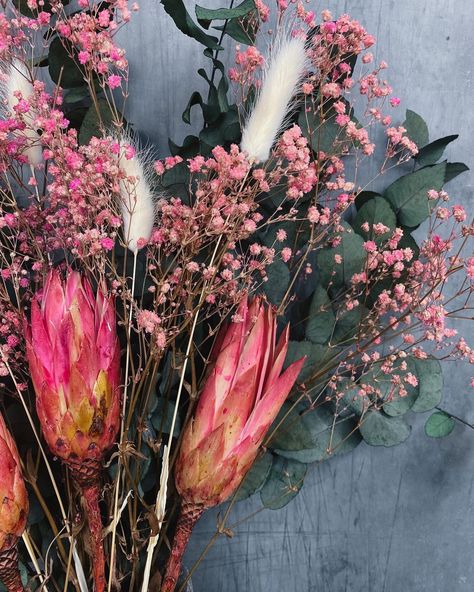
{"points": [[378, 429], [439, 425], [284, 482], [317, 356], [278, 280], [321, 319], [348, 323], [353, 257], [255, 478], [430, 377], [289, 430], [399, 405]]}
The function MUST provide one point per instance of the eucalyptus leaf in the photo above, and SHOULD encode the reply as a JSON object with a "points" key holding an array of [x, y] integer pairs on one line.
{"points": [[408, 195], [162, 417], [323, 134], [365, 196], [96, 122], [283, 484], [430, 378], [177, 11], [353, 255], [289, 430], [317, 356], [222, 14], [432, 152], [351, 399], [278, 280], [417, 129], [239, 31], [348, 323], [63, 70], [255, 478], [321, 318], [325, 435], [378, 429], [439, 425], [375, 211], [454, 169]]}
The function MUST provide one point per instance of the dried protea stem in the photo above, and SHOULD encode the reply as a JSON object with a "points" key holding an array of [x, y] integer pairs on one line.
{"points": [[86, 474], [188, 517], [9, 572]]}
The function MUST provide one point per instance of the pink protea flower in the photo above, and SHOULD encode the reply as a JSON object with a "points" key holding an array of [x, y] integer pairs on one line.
{"points": [[13, 511], [74, 357], [242, 395]]}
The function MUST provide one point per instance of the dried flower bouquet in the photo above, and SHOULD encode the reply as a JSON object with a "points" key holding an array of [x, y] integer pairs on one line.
{"points": [[186, 332]]}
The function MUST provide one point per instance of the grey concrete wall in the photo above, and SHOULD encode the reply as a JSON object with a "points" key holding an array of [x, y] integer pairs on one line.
{"points": [[378, 520]]}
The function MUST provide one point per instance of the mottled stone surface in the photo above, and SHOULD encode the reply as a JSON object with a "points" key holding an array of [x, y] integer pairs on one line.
{"points": [[378, 520]]}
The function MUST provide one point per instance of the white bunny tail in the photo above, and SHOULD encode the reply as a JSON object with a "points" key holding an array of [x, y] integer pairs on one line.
{"points": [[137, 202], [282, 75]]}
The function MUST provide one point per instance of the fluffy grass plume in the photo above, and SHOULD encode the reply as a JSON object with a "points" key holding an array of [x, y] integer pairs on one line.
{"points": [[137, 200], [281, 78]]}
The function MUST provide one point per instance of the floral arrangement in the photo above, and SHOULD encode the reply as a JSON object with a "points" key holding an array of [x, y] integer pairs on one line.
{"points": [[186, 332]]}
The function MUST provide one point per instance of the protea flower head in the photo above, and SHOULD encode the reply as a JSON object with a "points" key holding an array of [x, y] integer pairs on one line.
{"points": [[74, 356], [13, 511], [242, 395]]}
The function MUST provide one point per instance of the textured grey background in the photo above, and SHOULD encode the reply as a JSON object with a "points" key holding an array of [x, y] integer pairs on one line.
{"points": [[378, 520]]}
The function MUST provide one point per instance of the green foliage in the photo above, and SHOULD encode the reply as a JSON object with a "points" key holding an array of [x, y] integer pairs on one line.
{"points": [[417, 129], [206, 15], [283, 484], [313, 435], [63, 70], [177, 11], [323, 134], [161, 415], [432, 152], [408, 194], [430, 378], [454, 169], [278, 281], [353, 256], [378, 429], [347, 324], [256, 477], [316, 357], [375, 211], [95, 121], [439, 425], [240, 31], [321, 318]]}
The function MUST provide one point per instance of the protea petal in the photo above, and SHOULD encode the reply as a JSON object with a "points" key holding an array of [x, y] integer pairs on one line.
{"points": [[267, 409]]}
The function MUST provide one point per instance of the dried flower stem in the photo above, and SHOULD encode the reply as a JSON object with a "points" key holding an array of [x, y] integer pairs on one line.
{"points": [[91, 498], [122, 429], [188, 517]]}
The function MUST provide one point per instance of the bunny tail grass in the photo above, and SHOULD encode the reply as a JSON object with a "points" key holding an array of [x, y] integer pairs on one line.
{"points": [[283, 73], [188, 517], [137, 201]]}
